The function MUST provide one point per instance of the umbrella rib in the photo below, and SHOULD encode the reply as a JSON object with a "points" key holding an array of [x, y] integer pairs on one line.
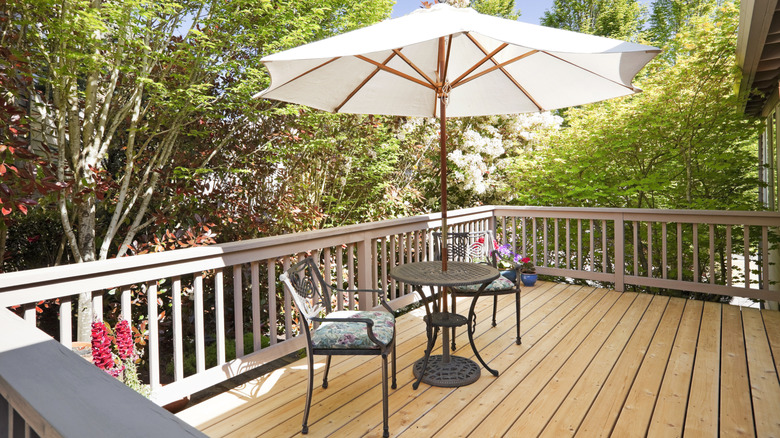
{"points": [[395, 72], [488, 56], [495, 67], [413, 65], [506, 73], [362, 84], [590, 71]]}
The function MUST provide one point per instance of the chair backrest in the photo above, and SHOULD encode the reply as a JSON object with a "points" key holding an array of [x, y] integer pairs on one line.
{"points": [[310, 293], [474, 246]]}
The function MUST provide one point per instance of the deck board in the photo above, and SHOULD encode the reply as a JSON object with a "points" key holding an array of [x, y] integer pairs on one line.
{"points": [[593, 362]]}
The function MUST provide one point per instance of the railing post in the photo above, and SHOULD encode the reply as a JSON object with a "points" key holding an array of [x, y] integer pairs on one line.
{"points": [[365, 273], [620, 254]]}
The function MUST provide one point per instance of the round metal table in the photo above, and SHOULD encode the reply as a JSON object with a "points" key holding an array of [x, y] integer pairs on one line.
{"points": [[445, 370]]}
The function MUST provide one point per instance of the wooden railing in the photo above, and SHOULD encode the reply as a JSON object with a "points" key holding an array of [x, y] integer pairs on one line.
{"points": [[214, 297], [710, 252]]}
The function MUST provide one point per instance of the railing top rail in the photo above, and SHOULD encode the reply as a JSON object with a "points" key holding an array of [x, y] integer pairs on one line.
{"points": [[724, 217], [32, 365], [138, 269]]}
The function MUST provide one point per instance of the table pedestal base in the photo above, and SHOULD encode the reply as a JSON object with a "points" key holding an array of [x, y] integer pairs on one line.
{"points": [[460, 371]]}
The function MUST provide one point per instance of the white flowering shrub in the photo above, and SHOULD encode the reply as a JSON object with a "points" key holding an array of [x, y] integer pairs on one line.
{"points": [[480, 149]]}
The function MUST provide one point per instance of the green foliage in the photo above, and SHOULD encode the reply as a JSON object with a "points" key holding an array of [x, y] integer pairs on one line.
{"points": [[678, 144], [671, 16], [621, 19], [498, 8]]}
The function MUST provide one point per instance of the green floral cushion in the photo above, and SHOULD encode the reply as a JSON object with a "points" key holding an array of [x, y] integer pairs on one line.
{"points": [[500, 283], [354, 335]]}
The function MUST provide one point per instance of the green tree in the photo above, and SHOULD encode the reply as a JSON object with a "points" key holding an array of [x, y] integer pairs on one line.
{"points": [[127, 81], [670, 16], [621, 19], [678, 144], [499, 8]]}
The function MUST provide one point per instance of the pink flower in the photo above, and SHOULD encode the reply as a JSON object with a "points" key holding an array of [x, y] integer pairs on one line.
{"points": [[101, 346], [525, 260], [124, 340]]}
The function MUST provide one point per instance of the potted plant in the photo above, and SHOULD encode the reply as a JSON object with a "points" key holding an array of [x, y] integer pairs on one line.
{"points": [[527, 271], [507, 261]]}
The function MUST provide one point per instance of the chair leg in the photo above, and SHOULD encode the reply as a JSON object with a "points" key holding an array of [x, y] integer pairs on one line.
{"points": [[386, 431], [495, 305], [325, 374], [309, 390], [395, 382], [517, 313]]}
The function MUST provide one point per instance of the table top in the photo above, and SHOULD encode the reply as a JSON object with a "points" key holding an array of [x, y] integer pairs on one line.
{"points": [[457, 274]]}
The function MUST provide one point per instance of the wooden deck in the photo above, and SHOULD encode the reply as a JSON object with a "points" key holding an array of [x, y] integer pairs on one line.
{"points": [[593, 363]]}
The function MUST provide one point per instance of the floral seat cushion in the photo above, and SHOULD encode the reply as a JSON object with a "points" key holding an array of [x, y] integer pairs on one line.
{"points": [[354, 335], [500, 283]]}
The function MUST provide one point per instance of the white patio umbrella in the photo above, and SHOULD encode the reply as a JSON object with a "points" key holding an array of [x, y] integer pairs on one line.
{"points": [[446, 61]]}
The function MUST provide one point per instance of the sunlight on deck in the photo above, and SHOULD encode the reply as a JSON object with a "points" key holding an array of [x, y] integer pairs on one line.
{"points": [[593, 362]]}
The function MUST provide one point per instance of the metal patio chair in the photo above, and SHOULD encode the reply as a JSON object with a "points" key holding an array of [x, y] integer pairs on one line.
{"points": [[345, 332], [478, 247]]}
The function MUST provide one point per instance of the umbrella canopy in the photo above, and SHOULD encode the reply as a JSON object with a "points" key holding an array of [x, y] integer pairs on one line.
{"points": [[454, 61], [491, 66]]}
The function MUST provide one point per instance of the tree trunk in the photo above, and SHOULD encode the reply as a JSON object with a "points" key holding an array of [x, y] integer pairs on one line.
{"points": [[87, 249]]}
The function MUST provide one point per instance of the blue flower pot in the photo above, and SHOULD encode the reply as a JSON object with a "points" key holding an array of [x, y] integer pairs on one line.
{"points": [[511, 274], [528, 279]]}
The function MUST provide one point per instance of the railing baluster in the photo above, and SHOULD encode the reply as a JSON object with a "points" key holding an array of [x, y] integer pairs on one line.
{"points": [[126, 302], [649, 249], [729, 262], [695, 252], [257, 332], [556, 243], [178, 339], [604, 250], [664, 257], [383, 261], [544, 245], [286, 263], [271, 269], [712, 253], [393, 291], [514, 236], [326, 264], [97, 305], [66, 328], [592, 248], [525, 237], [339, 276], [154, 344], [219, 310], [765, 258], [746, 238], [620, 253], [238, 306], [200, 329], [679, 252], [534, 240], [568, 243], [636, 248], [351, 274], [579, 244]]}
